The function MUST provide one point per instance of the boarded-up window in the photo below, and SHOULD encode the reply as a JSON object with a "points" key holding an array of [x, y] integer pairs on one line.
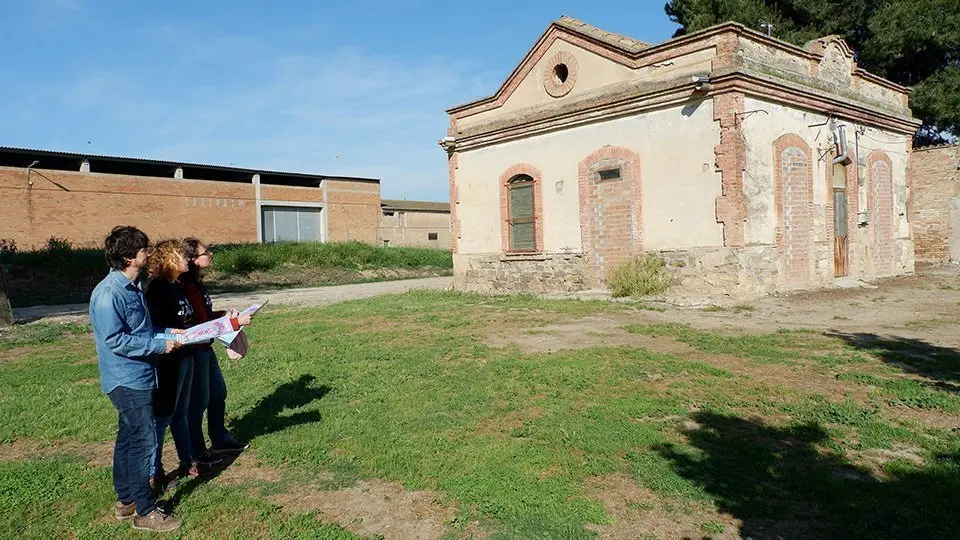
{"points": [[521, 214]]}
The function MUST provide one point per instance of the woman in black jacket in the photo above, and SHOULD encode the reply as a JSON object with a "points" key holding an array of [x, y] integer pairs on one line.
{"points": [[169, 308], [209, 391]]}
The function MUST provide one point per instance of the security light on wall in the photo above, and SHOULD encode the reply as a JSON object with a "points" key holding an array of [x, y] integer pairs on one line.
{"points": [[448, 143], [702, 82]]}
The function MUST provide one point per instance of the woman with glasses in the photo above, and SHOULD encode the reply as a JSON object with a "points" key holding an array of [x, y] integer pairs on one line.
{"points": [[209, 391]]}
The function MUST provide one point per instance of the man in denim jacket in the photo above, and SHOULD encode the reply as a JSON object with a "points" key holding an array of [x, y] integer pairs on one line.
{"points": [[124, 336]]}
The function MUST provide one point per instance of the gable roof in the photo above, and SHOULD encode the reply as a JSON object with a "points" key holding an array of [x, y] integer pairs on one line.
{"points": [[628, 44], [630, 52]]}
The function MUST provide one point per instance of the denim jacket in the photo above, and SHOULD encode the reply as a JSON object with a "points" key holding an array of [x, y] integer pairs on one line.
{"points": [[123, 333]]}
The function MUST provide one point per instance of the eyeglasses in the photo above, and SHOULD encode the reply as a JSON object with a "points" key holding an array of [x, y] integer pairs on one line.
{"points": [[208, 253]]}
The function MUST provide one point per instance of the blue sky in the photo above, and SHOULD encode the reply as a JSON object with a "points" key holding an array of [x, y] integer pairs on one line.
{"points": [[355, 88]]}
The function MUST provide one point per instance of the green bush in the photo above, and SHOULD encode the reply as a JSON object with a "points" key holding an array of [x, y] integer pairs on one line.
{"points": [[640, 277], [58, 245], [245, 258]]}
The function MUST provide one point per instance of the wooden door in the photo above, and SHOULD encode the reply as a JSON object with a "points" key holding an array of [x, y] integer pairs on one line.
{"points": [[839, 232]]}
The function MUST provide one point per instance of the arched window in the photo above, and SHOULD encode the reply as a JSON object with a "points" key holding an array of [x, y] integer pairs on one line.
{"points": [[521, 213]]}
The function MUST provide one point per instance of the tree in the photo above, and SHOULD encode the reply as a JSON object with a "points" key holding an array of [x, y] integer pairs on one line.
{"points": [[915, 43]]}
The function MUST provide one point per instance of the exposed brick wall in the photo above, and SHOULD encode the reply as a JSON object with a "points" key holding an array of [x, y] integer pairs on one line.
{"points": [[880, 203], [731, 158], [83, 207], [793, 195], [455, 233], [509, 174], [934, 180], [353, 211], [610, 220], [291, 193]]}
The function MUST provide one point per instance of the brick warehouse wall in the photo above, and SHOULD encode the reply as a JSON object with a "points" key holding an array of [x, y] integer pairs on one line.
{"points": [[83, 207], [935, 180], [353, 210]]}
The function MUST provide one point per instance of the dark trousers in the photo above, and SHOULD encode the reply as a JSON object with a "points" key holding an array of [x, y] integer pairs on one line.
{"points": [[171, 405], [210, 395], [136, 438]]}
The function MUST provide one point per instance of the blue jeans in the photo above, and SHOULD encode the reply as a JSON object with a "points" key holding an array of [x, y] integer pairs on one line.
{"points": [[136, 440], [210, 394], [172, 403]]}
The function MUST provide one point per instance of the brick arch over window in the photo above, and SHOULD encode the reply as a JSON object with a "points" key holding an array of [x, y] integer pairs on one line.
{"points": [[880, 203], [521, 169], [793, 199], [611, 228]]}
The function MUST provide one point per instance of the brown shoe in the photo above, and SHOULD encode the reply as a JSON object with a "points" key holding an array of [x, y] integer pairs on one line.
{"points": [[156, 521], [124, 512]]}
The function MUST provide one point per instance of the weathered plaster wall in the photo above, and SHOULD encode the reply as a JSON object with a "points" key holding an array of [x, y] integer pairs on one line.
{"points": [[761, 129], [679, 188], [592, 73]]}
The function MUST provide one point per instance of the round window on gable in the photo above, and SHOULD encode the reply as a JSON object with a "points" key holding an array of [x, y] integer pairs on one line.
{"points": [[560, 73]]}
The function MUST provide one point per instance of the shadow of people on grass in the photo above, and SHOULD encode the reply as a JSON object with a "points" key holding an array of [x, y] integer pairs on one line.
{"points": [[781, 484], [264, 418], [939, 364]]}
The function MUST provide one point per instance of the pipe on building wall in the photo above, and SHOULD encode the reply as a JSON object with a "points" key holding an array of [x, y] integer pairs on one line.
{"points": [[842, 142], [30, 168]]}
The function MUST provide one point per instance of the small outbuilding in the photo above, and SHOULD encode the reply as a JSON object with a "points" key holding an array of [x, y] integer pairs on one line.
{"points": [[749, 164]]}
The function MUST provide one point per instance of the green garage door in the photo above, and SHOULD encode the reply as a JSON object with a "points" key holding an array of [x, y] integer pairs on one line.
{"points": [[292, 223]]}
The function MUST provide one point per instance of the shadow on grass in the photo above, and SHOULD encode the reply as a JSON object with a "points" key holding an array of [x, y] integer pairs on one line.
{"points": [[939, 364], [264, 418], [780, 484]]}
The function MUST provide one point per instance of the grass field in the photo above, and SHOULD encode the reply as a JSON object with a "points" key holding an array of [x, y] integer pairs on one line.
{"points": [[61, 274], [400, 412]]}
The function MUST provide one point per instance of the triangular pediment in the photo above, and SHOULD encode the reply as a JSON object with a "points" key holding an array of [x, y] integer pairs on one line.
{"points": [[553, 66]]}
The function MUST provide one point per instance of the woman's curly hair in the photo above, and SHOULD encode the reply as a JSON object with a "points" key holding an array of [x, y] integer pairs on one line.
{"points": [[164, 262]]}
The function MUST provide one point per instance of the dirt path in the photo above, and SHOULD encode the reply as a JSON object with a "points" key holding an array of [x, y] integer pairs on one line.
{"points": [[313, 296]]}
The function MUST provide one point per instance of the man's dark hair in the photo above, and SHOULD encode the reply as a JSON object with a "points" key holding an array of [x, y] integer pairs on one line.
{"points": [[122, 244]]}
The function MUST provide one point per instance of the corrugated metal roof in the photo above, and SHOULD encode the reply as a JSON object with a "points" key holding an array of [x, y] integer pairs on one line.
{"points": [[133, 161]]}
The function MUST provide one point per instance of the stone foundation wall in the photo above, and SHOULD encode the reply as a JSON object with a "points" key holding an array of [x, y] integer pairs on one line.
{"points": [[738, 272], [496, 273], [747, 272]]}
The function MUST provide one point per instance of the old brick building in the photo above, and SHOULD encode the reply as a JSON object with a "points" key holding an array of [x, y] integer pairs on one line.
{"points": [[55, 194], [935, 204], [750, 164]]}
